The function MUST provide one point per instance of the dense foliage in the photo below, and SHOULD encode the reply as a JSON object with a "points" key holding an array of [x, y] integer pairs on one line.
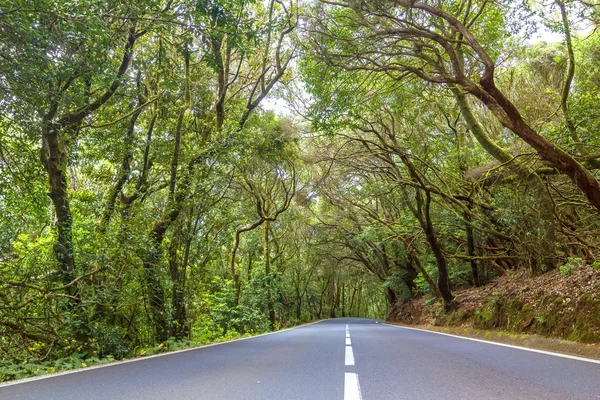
{"points": [[149, 200]]}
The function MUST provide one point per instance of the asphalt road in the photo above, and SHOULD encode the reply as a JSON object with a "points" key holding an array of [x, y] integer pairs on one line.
{"points": [[345, 359]]}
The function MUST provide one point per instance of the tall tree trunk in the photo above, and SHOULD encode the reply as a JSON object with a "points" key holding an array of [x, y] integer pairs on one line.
{"points": [[54, 160], [391, 296], [325, 289], [423, 215], [268, 280], [298, 307], [440, 259], [471, 250], [237, 285], [154, 286], [151, 258], [352, 297], [414, 259], [358, 306], [179, 323], [331, 297], [177, 196], [410, 274], [343, 293], [125, 170]]}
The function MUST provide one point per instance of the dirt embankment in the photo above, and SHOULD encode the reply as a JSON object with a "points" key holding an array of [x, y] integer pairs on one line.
{"points": [[563, 304]]}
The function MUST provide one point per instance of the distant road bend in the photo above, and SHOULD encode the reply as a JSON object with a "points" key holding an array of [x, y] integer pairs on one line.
{"points": [[345, 359]]}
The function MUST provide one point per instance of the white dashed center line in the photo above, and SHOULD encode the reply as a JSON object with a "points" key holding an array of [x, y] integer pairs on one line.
{"points": [[351, 387], [349, 356]]}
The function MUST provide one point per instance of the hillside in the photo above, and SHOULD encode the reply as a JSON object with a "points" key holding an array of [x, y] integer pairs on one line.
{"points": [[564, 303]]}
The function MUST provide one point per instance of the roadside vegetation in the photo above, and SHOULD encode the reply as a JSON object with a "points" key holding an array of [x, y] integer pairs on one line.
{"points": [[437, 156], [557, 304]]}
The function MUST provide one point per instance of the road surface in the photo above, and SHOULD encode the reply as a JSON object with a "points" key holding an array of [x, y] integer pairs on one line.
{"points": [[341, 359]]}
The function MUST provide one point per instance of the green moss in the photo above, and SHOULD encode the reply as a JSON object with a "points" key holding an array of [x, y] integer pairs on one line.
{"points": [[515, 305], [527, 310], [576, 318], [483, 316], [559, 301]]}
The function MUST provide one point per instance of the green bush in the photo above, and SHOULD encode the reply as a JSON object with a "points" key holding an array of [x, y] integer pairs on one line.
{"points": [[33, 366], [566, 270]]}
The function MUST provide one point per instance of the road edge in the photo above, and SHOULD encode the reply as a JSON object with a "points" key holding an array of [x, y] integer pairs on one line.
{"points": [[533, 350], [132, 360]]}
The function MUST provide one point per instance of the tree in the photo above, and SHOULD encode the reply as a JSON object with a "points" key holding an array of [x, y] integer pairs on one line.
{"points": [[455, 54]]}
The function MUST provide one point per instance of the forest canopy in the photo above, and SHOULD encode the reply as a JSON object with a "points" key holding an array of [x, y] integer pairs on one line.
{"points": [[152, 196]]}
